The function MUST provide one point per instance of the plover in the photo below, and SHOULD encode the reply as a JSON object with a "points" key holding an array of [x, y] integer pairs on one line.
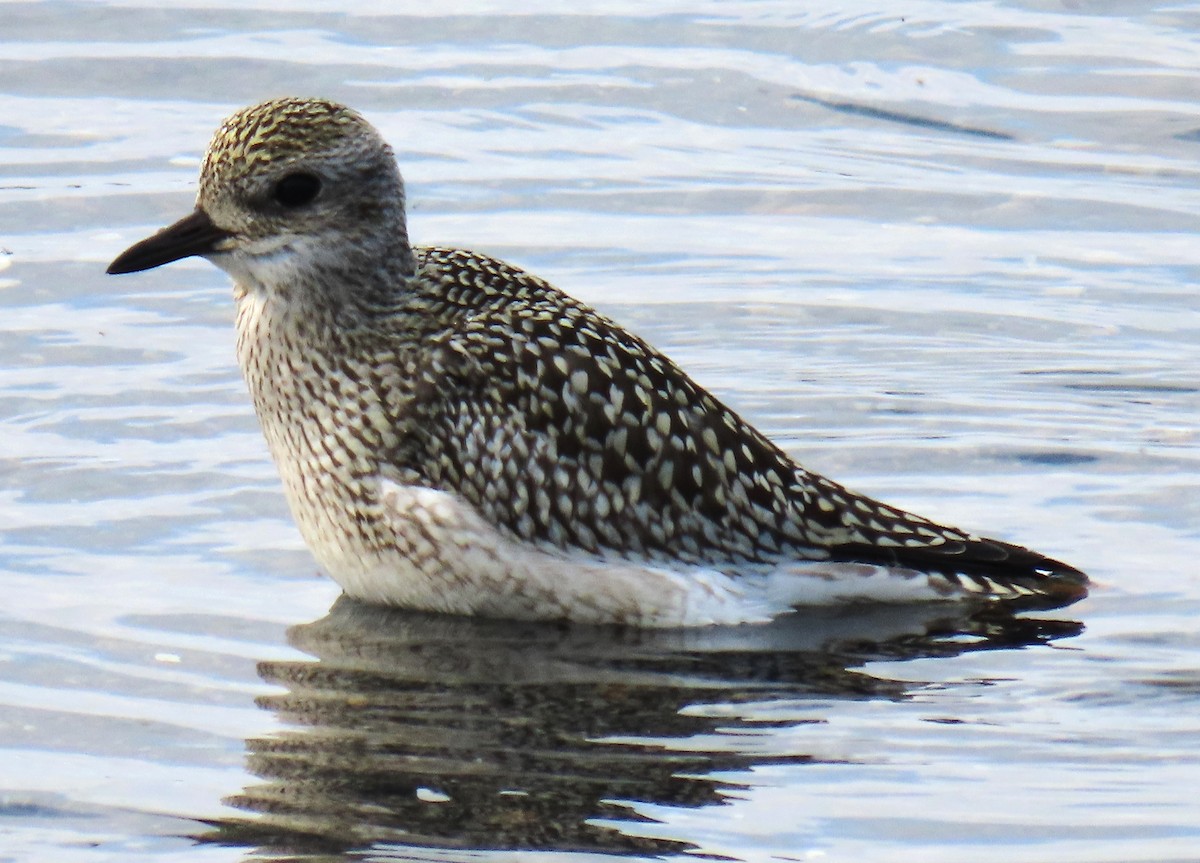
{"points": [[457, 435]]}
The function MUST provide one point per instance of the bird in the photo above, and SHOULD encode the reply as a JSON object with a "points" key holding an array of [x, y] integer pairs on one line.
{"points": [[457, 435]]}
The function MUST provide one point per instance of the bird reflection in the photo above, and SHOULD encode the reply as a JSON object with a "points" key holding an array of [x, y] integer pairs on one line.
{"points": [[427, 730]]}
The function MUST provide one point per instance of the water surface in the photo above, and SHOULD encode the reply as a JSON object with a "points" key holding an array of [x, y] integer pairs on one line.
{"points": [[945, 252]]}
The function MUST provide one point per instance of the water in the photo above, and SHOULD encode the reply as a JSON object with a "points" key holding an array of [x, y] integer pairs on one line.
{"points": [[945, 252]]}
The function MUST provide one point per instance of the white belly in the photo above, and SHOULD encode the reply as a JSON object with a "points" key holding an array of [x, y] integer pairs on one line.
{"points": [[446, 558]]}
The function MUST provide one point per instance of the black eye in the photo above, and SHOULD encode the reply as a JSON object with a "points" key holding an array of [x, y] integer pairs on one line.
{"points": [[296, 190]]}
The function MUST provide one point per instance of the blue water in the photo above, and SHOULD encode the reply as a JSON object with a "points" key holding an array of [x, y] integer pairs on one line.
{"points": [[944, 252]]}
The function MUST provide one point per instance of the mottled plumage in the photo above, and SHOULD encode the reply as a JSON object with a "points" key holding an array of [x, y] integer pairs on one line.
{"points": [[455, 434]]}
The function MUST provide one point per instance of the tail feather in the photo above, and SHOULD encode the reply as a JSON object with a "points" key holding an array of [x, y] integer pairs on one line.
{"points": [[985, 567]]}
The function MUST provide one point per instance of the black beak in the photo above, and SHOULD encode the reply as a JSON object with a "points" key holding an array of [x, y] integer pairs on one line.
{"points": [[191, 235]]}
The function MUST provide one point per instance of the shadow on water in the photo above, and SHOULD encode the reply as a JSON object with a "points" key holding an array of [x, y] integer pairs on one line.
{"points": [[425, 730]]}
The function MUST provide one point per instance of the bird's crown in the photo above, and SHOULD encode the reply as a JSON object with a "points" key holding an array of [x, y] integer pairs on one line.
{"points": [[279, 131]]}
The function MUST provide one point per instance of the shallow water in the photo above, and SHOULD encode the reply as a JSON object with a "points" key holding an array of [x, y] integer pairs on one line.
{"points": [[944, 252]]}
